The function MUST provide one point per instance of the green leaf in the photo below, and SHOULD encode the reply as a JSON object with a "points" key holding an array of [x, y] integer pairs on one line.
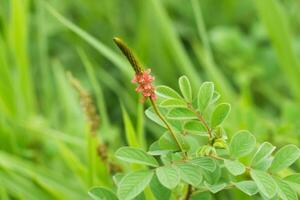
{"points": [[155, 149], [190, 174], [264, 165], [215, 188], [214, 176], [133, 184], [167, 142], [285, 191], [135, 155], [158, 190], [219, 114], [170, 103], [181, 114], [242, 144], [285, 157], [205, 95], [167, 92], [205, 163], [294, 179], [234, 167], [185, 88], [264, 151], [101, 193], [265, 183], [194, 127], [201, 195], [153, 116], [168, 176], [248, 187]]}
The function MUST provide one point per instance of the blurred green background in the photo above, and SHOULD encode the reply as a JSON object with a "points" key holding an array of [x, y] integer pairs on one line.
{"points": [[249, 48]]}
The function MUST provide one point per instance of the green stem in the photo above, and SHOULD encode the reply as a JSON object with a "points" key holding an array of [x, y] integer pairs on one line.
{"points": [[167, 125]]}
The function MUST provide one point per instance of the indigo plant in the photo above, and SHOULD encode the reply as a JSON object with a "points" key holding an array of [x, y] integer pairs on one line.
{"points": [[194, 158]]}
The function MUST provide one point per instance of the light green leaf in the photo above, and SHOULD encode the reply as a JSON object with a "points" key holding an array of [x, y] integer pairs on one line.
{"points": [[155, 149], [235, 167], [167, 92], [168, 176], [285, 157], [265, 183], [215, 188], [153, 116], [167, 142], [185, 88], [205, 163], [101, 193], [242, 144], [158, 190], [263, 165], [294, 179], [133, 184], [176, 103], [219, 114], [248, 187], [264, 151], [194, 127], [285, 191], [135, 155], [190, 174], [205, 95], [181, 114]]}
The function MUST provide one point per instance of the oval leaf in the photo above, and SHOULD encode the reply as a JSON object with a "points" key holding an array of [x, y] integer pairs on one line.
{"points": [[194, 127], [242, 144], [101, 193], [135, 155], [170, 103], [265, 183], [264, 151], [190, 173], [234, 167], [219, 114], [168, 176], [181, 114], [185, 88], [205, 163], [133, 184], [167, 92], [205, 95], [285, 157], [285, 191], [248, 187]]}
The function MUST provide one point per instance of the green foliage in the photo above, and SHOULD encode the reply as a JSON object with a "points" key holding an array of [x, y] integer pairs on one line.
{"points": [[135, 155], [242, 144], [101, 193], [133, 184], [247, 51], [199, 163], [283, 158]]}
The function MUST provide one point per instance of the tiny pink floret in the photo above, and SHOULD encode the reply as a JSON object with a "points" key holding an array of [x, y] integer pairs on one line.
{"points": [[144, 81]]}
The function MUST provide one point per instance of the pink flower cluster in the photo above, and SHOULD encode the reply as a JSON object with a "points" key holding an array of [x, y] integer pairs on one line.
{"points": [[144, 81]]}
